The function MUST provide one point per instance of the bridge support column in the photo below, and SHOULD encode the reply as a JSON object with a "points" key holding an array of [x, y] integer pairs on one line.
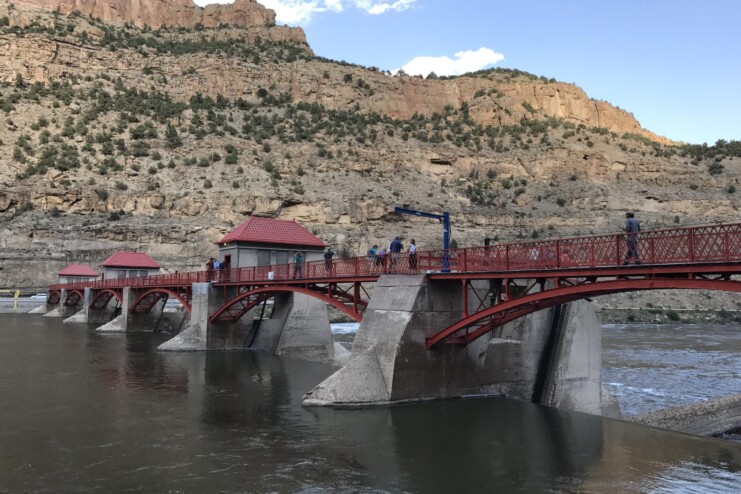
{"points": [[62, 310], [390, 362], [121, 323], [81, 317], [298, 327], [42, 309], [98, 315], [201, 334]]}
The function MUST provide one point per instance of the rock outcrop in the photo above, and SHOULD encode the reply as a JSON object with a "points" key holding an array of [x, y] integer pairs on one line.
{"points": [[332, 145], [156, 13]]}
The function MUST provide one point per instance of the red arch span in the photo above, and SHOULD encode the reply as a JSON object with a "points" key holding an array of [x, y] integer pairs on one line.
{"points": [[74, 295], [169, 292], [273, 290], [54, 296], [100, 293], [486, 320]]}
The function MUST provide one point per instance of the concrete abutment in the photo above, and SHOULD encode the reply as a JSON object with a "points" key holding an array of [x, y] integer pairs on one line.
{"points": [[298, 326], [63, 310], [390, 363]]}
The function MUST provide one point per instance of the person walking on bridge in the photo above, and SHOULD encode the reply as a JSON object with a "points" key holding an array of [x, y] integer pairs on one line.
{"points": [[210, 269], [298, 265], [395, 249], [413, 255], [633, 228], [328, 255]]}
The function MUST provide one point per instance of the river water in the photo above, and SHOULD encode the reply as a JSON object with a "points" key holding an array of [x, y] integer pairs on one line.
{"points": [[83, 412]]}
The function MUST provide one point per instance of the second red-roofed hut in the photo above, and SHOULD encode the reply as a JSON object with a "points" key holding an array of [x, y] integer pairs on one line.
{"points": [[266, 241], [77, 272], [124, 264]]}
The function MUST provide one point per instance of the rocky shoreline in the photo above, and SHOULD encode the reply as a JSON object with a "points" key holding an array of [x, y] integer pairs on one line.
{"points": [[661, 315], [711, 418]]}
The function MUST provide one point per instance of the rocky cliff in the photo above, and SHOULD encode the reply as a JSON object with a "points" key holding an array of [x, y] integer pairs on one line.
{"points": [[157, 13], [115, 136]]}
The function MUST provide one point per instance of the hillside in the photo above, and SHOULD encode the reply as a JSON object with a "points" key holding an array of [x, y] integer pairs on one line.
{"points": [[161, 127]]}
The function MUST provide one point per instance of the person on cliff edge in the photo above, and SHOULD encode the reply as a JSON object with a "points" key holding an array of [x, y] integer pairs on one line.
{"points": [[633, 228]]}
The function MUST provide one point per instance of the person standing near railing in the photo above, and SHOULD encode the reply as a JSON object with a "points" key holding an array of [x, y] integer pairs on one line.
{"points": [[395, 249], [633, 228], [412, 254], [210, 269], [381, 259], [371, 254], [298, 265], [328, 255]]}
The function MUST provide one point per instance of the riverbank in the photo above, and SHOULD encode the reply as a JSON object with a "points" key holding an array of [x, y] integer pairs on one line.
{"points": [[661, 315]]}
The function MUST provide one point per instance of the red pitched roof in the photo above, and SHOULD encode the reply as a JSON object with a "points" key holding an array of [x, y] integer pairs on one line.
{"points": [[130, 260], [78, 270], [269, 231]]}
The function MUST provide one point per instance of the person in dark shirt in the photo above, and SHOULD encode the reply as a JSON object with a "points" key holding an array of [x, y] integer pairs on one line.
{"points": [[395, 249], [633, 228], [328, 255]]}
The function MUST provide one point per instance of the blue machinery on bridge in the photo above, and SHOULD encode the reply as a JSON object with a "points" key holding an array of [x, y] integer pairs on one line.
{"points": [[445, 220]]}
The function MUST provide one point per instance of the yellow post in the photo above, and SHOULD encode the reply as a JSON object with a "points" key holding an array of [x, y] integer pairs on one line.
{"points": [[15, 299]]}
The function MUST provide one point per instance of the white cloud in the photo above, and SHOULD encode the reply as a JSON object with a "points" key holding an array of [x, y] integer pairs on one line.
{"points": [[297, 12], [376, 7], [464, 61]]}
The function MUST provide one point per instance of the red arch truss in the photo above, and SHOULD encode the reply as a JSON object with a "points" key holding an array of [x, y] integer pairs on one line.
{"points": [[102, 297], [53, 297], [74, 297], [478, 324], [330, 294], [148, 298]]}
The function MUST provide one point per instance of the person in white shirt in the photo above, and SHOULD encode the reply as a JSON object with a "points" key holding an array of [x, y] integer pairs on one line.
{"points": [[412, 254]]}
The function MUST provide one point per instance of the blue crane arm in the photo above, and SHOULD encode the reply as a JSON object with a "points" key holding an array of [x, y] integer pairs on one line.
{"points": [[399, 210], [444, 218]]}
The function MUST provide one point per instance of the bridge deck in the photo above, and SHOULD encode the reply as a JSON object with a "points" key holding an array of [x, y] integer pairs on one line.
{"points": [[680, 250]]}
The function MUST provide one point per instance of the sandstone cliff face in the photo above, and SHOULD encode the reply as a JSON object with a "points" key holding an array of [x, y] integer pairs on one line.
{"points": [[40, 59], [156, 13], [565, 180]]}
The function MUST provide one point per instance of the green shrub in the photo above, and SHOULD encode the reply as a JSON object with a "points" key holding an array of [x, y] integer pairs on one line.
{"points": [[715, 168], [672, 315], [121, 185]]}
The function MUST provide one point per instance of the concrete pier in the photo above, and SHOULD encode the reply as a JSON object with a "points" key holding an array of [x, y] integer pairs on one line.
{"points": [[63, 310], [119, 324], [298, 326], [390, 363], [41, 309], [81, 317]]}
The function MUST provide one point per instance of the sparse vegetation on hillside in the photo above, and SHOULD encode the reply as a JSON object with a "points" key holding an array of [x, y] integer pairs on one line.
{"points": [[113, 141]]}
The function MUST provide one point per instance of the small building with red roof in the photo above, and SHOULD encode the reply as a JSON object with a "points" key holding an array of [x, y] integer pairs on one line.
{"points": [[77, 272], [261, 241], [124, 264]]}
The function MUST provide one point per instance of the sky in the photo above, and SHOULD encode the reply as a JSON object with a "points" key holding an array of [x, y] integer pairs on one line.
{"points": [[673, 64]]}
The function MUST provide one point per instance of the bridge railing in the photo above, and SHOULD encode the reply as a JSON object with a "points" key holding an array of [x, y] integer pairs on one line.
{"points": [[699, 244]]}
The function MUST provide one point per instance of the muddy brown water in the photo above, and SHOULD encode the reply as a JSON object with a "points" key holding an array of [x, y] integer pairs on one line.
{"points": [[83, 412]]}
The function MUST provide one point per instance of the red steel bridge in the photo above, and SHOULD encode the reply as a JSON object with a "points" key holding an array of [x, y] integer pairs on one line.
{"points": [[523, 277]]}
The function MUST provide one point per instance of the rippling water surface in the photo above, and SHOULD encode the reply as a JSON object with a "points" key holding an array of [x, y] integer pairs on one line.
{"points": [[650, 367], [82, 412]]}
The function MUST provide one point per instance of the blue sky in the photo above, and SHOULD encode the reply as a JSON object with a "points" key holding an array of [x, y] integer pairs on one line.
{"points": [[674, 64]]}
